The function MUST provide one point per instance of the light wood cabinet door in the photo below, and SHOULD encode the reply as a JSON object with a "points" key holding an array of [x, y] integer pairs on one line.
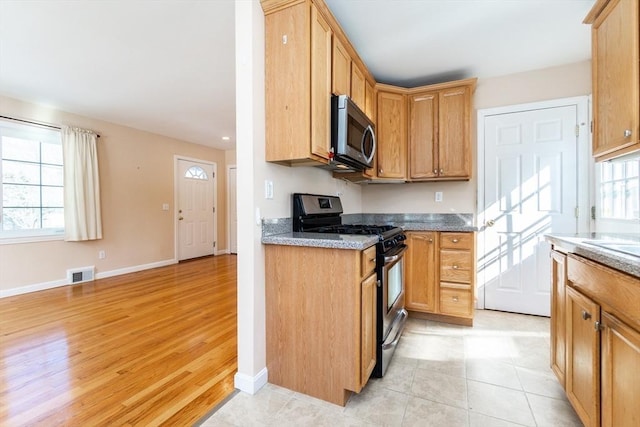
{"points": [[423, 129], [392, 135], [582, 383], [341, 69], [357, 86], [620, 348], [287, 95], [454, 146], [616, 91], [321, 85], [420, 267], [558, 327], [370, 101], [368, 328]]}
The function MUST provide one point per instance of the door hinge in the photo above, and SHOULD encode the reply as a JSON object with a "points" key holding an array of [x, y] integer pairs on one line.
{"points": [[214, 243], [593, 212], [598, 326], [214, 209], [577, 130], [577, 212], [591, 126]]}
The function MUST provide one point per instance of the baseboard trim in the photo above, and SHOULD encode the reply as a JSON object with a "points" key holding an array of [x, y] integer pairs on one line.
{"points": [[250, 384], [135, 268], [222, 252], [4, 293]]}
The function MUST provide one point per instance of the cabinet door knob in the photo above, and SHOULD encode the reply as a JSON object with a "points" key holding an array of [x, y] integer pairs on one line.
{"points": [[455, 299], [455, 267], [441, 171], [435, 171], [627, 133], [380, 171], [585, 315], [430, 240]]}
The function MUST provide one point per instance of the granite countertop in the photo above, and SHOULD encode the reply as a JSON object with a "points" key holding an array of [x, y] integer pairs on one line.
{"points": [[320, 240], [277, 231], [579, 245]]}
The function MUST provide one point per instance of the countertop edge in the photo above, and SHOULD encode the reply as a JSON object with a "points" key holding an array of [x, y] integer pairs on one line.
{"points": [[628, 264]]}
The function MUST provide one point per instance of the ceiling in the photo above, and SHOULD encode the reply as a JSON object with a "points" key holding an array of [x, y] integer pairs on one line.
{"points": [[168, 66]]}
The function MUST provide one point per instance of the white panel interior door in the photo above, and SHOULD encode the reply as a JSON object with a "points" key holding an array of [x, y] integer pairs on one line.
{"points": [[233, 212], [530, 190], [196, 183]]}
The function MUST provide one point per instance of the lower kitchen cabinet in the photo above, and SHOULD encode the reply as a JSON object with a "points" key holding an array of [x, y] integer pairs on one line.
{"points": [[320, 319], [583, 356], [440, 275], [600, 348], [558, 323], [620, 388]]}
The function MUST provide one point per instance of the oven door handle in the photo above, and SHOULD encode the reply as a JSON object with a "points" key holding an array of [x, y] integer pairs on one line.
{"points": [[394, 258], [403, 315]]}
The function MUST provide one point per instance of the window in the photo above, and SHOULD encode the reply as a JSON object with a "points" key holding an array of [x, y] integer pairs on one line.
{"points": [[32, 181], [619, 189], [196, 172]]}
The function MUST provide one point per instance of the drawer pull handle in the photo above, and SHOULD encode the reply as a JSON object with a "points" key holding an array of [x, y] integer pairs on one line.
{"points": [[455, 240], [585, 315], [455, 299], [455, 267]]}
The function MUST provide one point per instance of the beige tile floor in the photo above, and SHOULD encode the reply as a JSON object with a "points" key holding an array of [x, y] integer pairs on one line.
{"points": [[492, 375]]}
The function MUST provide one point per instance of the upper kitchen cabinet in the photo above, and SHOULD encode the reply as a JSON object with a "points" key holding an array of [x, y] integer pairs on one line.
{"points": [[391, 134], [297, 84], [615, 74], [358, 88], [439, 135], [341, 69], [307, 58]]}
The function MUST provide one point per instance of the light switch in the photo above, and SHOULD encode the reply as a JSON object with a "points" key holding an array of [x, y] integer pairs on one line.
{"points": [[438, 196], [165, 206], [268, 189]]}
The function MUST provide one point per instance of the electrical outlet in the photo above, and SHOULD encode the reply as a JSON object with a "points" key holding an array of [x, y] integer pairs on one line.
{"points": [[438, 196], [102, 254]]}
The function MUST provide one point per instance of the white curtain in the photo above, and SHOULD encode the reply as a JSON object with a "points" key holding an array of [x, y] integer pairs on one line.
{"points": [[82, 218]]}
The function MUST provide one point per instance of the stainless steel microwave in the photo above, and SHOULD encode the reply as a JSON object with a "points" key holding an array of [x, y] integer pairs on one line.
{"points": [[353, 138]]}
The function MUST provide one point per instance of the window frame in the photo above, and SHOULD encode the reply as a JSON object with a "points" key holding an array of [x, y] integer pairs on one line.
{"points": [[41, 134], [625, 178]]}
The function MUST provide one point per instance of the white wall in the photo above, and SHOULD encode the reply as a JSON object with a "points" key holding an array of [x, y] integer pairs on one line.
{"points": [[538, 85]]}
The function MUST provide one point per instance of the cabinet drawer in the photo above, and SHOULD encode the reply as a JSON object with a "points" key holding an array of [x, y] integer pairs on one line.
{"points": [[455, 302], [455, 266], [368, 261], [617, 292], [450, 240]]}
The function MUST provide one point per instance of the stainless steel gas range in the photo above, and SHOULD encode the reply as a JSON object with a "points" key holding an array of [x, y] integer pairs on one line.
{"points": [[322, 214]]}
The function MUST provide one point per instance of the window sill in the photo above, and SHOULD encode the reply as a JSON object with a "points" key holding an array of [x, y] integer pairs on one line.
{"points": [[14, 240]]}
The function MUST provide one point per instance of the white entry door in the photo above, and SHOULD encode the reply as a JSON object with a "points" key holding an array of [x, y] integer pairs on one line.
{"points": [[530, 189], [233, 212], [196, 184]]}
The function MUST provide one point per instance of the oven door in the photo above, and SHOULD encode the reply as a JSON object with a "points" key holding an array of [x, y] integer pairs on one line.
{"points": [[391, 313], [392, 283]]}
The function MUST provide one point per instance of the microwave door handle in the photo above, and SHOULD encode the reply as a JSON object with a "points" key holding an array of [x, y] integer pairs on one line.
{"points": [[369, 129]]}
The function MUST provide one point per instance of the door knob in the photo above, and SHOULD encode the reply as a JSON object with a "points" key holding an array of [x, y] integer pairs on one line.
{"points": [[490, 223]]}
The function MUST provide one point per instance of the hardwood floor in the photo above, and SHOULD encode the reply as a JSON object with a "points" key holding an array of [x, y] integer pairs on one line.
{"points": [[149, 348]]}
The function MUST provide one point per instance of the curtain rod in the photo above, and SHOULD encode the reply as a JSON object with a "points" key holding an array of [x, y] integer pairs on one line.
{"points": [[35, 123]]}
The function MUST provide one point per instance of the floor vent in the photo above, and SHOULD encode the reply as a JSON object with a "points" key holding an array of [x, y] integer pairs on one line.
{"points": [[80, 275]]}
